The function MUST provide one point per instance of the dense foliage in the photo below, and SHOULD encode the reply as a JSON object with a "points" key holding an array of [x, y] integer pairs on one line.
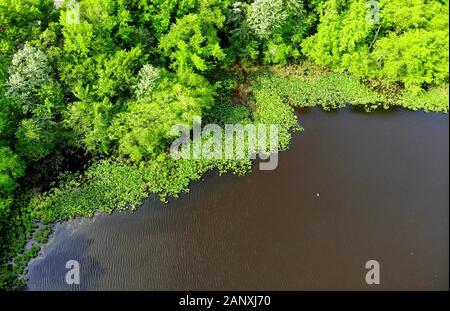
{"points": [[402, 41], [89, 91]]}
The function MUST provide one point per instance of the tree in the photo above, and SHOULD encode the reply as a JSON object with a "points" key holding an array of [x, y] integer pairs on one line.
{"points": [[406, 43], [11, 168], [267, 17], [100, 63], [40, 101], [143, 130], [243, 44], [269, 29], [20, 21], [193, 43], [29, 70]]}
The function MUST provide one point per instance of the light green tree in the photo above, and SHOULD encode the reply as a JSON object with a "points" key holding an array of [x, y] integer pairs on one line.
{"points": [[408, 45], [193, 43], [11, 168]]}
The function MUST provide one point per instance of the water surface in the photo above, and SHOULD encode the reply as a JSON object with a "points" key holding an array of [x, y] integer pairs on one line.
{"points": [[353, 187]]}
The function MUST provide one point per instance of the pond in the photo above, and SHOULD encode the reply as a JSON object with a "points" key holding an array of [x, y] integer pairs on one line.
{"points": [[353, 187]]}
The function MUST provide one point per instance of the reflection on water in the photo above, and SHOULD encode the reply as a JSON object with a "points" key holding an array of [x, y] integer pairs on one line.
{"points": [[353, 187]]}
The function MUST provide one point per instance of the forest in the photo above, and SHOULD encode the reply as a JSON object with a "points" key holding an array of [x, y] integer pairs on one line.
{"points": [[90, 90]]}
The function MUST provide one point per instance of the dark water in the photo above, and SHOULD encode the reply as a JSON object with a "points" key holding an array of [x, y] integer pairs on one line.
{"points": [[383, 183]]}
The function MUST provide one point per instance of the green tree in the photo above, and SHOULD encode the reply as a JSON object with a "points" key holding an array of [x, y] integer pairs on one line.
{"points": [[143, 130], [193, 42], [40, 100], [267, 17], [243, 44], [99, 64], [406, 42], [29, 70], [11, 168], [269, 29]]}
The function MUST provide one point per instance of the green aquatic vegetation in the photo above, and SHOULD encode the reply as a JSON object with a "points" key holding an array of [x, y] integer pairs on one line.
{"points": [[43, 234], [329, 91], [272, 110], [105, 186], [333, 91], [111, 185], [435, 99], [16, 227]]}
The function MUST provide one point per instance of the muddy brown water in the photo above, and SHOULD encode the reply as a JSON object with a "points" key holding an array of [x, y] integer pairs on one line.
{"points": [[353, 187]]}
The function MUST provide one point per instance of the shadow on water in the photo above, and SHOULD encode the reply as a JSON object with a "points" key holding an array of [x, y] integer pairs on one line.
{"points": [[380, 111], [356, 109], [55, 270]]}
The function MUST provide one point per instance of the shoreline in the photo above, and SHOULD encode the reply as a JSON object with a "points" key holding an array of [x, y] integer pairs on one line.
{"points": [[261, 84]]}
